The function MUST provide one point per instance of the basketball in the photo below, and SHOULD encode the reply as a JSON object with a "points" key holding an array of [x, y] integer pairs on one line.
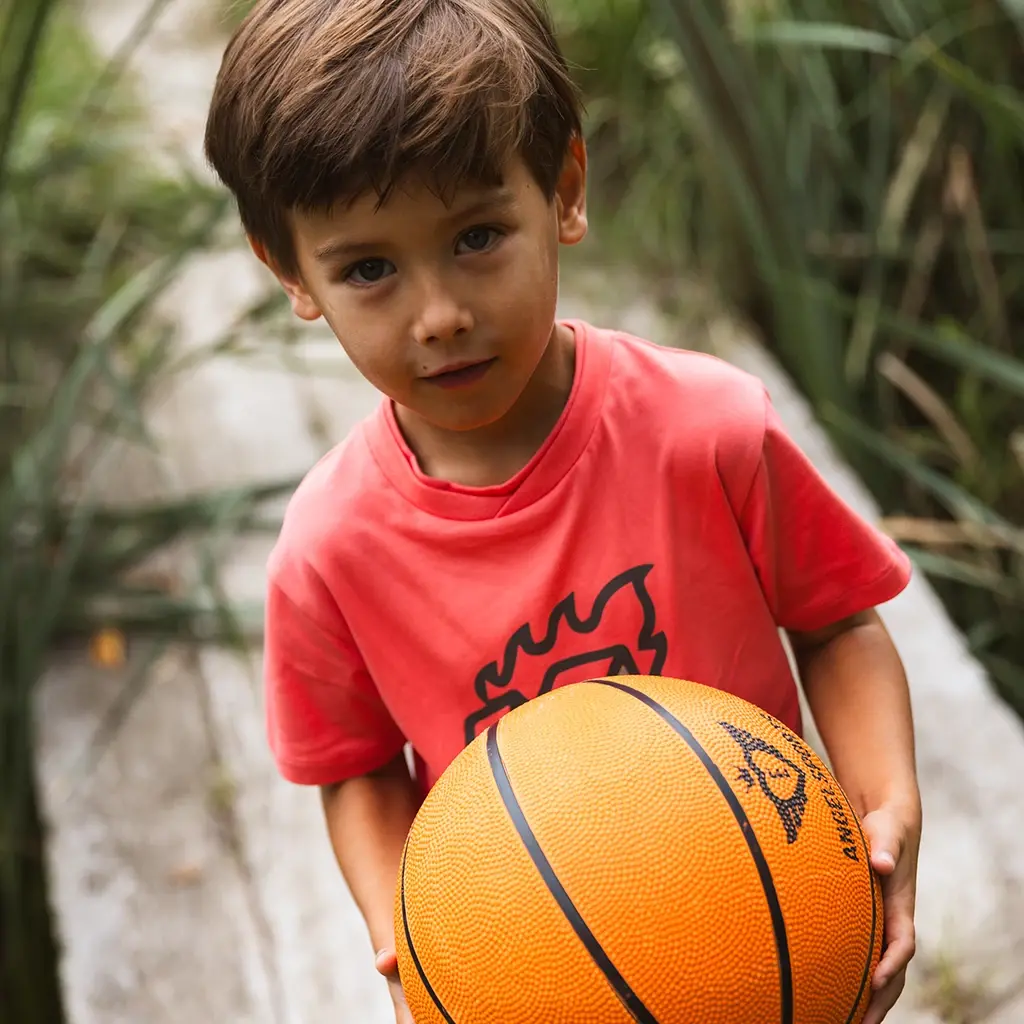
{"points": [[637, 849]]}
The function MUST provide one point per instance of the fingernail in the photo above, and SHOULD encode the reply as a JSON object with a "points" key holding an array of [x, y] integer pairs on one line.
{"points": [[886, 860]]}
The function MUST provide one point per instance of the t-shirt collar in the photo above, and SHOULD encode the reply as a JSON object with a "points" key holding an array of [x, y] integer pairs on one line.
{"points": [[548, 467]]}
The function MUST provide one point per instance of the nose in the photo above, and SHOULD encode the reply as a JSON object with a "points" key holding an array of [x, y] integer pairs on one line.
{"points": [[443, 315]]}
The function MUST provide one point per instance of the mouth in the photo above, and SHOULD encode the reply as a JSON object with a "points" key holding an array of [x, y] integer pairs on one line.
{"points": [[460, 374]]}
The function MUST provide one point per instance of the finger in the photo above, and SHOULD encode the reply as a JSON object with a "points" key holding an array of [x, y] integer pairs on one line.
{"points": [[403, 1015], [898, 954], [886, 838], [883, 861], [900, 944], [884, 999], [386, 962], [900, 933]]}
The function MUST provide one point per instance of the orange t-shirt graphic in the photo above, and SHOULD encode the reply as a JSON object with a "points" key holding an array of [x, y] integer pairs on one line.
{"points": [[667, 526]]}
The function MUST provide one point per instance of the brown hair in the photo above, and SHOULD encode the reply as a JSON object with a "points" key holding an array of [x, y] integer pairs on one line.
{"points": [[320, 101]]}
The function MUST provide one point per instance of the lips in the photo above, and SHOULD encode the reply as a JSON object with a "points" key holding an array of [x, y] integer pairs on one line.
{"points": [[460, 374]]}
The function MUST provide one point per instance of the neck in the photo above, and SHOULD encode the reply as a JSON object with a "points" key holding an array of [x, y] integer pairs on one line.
{"points": [[494, 453]]}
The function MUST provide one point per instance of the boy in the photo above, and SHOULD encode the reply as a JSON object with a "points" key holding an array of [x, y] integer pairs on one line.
{"points": [[534, 502]]}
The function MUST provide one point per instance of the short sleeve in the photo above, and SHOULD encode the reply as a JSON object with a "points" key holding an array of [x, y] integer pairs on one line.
{"points": [[817, 560], [326, 721]]}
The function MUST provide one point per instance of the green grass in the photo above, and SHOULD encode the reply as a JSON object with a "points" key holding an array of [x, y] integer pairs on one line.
{"points": [[91, 234], [850, 174]]}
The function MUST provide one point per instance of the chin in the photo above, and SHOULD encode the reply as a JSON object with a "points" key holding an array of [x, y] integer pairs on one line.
{"points": [[469, 419]]}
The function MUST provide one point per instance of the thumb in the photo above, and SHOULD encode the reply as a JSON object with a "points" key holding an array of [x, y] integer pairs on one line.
{"points": [[386, 963], [885, 840]]}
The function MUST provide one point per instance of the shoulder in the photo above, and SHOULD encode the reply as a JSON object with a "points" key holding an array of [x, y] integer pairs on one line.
{"points": [[334, 503], [696, 402], [671, 373]]}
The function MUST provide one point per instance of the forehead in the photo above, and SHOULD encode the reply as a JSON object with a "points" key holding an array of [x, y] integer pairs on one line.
{"points": [[413, 204]]}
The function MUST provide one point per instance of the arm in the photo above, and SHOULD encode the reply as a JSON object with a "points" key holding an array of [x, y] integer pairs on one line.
{"points": [[368, 820], [326, 719], [820, 565], [857, 691]]}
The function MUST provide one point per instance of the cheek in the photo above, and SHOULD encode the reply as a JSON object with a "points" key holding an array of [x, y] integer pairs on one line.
{"points": [[534, 271], [371, 348], [547, 262]]}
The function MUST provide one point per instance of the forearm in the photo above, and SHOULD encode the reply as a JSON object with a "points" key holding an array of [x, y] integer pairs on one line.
{"points": [[368, 819], [858, 694]]}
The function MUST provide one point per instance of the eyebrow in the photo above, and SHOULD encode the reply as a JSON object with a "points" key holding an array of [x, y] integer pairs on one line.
{"points": [[339, 248], [498, 199]]}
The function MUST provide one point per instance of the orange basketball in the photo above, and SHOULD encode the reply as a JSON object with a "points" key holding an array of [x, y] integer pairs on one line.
{"points": [[637, 849]]}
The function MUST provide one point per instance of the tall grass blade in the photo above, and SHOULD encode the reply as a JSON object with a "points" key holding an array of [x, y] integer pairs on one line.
{"points": [[820, 35], [958, 502], [959, 570], [23, 31], [741, 131]]}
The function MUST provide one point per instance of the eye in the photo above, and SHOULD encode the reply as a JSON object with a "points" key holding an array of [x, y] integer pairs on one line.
{"points": [[367, 272], [479, 239]]}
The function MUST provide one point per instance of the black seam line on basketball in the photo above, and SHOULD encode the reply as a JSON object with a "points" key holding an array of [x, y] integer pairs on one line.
{"points": [[764, 872], [874, 918], [629, 999], [412, 949]]}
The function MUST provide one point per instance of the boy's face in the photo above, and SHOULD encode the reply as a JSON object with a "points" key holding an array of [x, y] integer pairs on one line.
{"points": [[447, 309]]}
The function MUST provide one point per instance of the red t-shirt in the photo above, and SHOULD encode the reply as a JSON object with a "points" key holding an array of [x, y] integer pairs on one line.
{"points": [[668, 526]]}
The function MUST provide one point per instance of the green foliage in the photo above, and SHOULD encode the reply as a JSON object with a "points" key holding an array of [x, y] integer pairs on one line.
{"points": [[232, 13], [91, 233], [851, 173]]}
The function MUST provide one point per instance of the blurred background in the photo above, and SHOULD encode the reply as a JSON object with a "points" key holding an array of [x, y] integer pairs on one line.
{"points": [[845, 179]]}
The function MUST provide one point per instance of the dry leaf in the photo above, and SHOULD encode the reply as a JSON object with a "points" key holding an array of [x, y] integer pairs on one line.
{"points": [[108, 648]]}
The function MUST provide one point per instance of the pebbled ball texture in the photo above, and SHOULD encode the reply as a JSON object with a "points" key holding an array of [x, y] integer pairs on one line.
{"points": [[637, 849]]}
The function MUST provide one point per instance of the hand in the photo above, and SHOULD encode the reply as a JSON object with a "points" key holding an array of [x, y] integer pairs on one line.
{"points": [[894, 837], [387, 964]]}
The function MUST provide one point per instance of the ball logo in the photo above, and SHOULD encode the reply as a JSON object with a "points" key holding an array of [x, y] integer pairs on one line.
{"points": [[781, 780], [617, 636]]}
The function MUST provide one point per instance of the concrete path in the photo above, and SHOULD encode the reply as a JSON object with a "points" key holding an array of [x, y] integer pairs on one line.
{"points": [[190, 883]]}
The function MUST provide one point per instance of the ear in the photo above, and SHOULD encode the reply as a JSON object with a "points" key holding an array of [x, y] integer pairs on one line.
{"points": [[303, 304], [571, 194]]}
